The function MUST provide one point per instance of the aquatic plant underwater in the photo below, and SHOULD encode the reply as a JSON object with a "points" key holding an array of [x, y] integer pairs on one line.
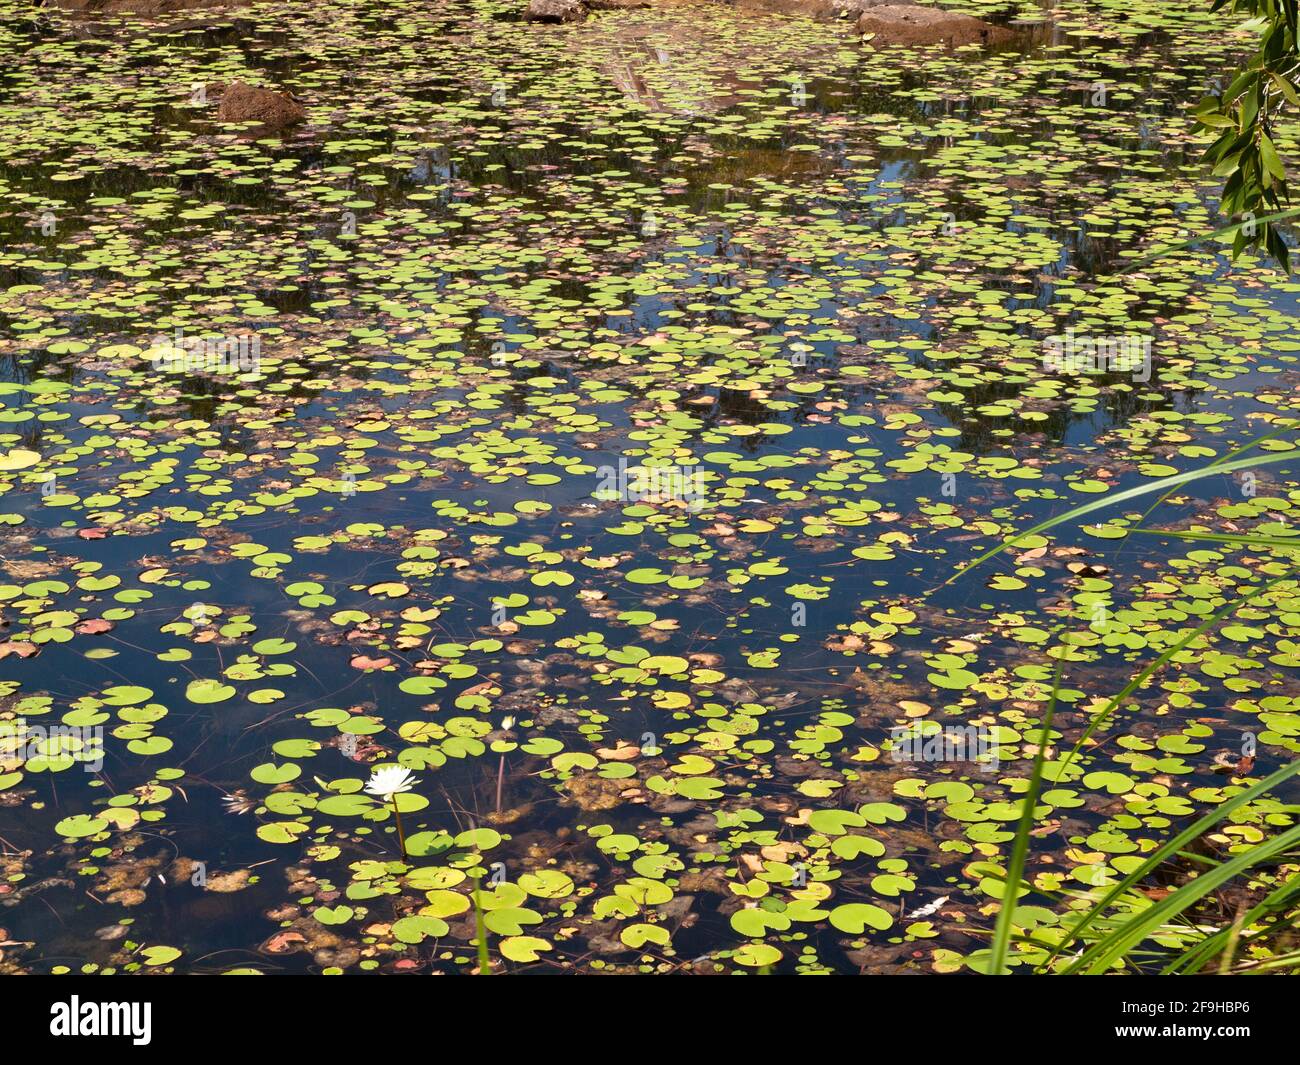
{"points": [[685, 491]]}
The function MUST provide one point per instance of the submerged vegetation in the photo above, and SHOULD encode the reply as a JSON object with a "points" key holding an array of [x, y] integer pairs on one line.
{"points": [[688, 490]]}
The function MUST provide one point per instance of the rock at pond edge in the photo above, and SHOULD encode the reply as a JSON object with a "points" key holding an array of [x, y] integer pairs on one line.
{"points": [[555, 11], [241, 102], [910, 24]]}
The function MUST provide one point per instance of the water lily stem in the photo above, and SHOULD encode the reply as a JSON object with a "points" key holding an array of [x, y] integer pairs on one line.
{"points": [[501, 779], [401, 836]]}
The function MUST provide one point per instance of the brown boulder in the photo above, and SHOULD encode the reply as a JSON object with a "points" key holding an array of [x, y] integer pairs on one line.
{"points": [[910, 24], [241, 102], [555, 11]]}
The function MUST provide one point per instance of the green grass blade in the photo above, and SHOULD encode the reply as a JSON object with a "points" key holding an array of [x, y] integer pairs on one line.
{"points": [[1193, 959], [1020, 849], [1229, 608], [1122, 497], [1225, 231], [480, 937], [1245, 539], [1169, 849], [1287, 427], [1100, 957], [1282, 961]]}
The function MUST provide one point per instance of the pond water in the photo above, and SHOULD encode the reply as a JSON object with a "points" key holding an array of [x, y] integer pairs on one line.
{"points": [[644, 382]]}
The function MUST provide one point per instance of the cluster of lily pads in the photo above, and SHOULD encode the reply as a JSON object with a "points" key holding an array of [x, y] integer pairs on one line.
{"points": [[359, 657]]}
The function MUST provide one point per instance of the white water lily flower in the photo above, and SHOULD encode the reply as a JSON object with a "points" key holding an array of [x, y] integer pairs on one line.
{"points": [[507, 723], [931, 908], [389, 781]]}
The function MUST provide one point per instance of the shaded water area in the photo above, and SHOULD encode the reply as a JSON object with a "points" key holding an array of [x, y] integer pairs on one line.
{"points": [[617, 401]]}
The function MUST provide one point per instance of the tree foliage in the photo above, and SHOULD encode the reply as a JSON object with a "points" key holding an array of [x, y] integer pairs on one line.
{"points": [[1244, 116]]}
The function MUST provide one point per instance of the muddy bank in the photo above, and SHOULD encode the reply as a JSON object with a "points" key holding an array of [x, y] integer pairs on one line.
{"points": [[881, 22], [142, 8], [818, 9], [911, 24], [889, 23]]}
